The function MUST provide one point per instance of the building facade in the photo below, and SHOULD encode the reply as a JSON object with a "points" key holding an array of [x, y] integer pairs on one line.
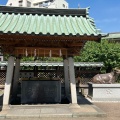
{"points": [[61, 4], [113, 37]]}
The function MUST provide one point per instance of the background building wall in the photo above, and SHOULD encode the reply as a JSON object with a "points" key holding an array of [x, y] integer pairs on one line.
{"points": [[61, 4]]}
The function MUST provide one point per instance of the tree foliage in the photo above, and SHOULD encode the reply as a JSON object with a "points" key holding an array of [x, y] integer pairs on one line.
{"points": [[40, 59], [108, 53]]}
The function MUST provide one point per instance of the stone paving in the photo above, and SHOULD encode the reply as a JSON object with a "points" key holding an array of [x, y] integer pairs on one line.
{"points": [[87, 111], [111, 108], [50, 111]]}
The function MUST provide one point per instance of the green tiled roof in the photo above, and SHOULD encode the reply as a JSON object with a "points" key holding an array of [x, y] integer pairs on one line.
{"points": [[113, 36], [46, 21]]}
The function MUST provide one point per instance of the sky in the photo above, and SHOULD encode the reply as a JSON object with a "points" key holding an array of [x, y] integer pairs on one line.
{"points": [[106, 13]]}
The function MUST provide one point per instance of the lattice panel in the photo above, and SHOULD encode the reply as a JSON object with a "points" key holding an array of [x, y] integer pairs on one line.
{"points": [[26, 74], [2, 78], [85, 77], [61, 76], [53, 74], [85, 80], [43, 74]]}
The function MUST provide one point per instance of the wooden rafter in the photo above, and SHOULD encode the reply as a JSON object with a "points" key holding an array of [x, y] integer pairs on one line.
{"points": [[17, 44], [36, 51]]}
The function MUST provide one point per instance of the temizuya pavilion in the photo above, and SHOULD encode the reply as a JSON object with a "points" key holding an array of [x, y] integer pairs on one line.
{"points": [[44, 33]]}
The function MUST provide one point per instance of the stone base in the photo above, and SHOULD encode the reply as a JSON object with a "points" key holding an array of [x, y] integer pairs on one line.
{"points": [[56, 111], [74, 106], [104, 92], [5, 107], [84, 90]]}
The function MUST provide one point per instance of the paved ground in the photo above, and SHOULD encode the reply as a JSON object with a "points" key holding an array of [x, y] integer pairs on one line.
{"points": [[51, 111], [112, 110]]}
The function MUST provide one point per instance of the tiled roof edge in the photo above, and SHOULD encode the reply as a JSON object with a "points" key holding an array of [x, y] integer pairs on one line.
{"points": [[44, 11]]}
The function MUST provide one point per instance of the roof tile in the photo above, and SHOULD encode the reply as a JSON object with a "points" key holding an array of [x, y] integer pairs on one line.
{"points": [[60, 23]]}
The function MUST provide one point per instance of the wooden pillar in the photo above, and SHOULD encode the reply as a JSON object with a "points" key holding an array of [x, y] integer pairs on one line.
{"points": [[35, 71], [16, 78], [57, 72], [66, 77], [72, 80], [8, 82]]}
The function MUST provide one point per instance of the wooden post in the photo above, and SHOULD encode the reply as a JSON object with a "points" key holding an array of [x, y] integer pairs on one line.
{"points": [[35, 71], [72, 81], [8, 82], [66, 77], [16, 78]]}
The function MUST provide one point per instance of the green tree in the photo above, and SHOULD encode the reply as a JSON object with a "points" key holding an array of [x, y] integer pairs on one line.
{"points": [[40, 59], [108, 53]]}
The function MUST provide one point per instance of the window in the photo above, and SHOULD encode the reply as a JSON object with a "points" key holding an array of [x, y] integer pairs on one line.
{"points": [[28, 4], [36, 4], [63, 5], [20, 3], [46, 1], [40, 4], [45, 4], [51, 0], [10, 4]]}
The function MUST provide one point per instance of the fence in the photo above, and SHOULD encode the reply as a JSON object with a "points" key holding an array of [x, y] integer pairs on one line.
{"points": [[85, 75]]}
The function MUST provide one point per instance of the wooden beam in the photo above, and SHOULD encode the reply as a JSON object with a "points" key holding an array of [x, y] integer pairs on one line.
{"points": [[17, 44], [76, 45], [42, 48], [53, 38], [36, 51]]}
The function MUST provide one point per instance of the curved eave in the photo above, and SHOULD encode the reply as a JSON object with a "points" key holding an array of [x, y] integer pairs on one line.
{"points": [[48, 34], [112, 36]]}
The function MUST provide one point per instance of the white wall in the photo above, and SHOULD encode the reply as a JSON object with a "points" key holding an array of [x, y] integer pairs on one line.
{"points": [[61, 4], [16, 3], [12, 2]]}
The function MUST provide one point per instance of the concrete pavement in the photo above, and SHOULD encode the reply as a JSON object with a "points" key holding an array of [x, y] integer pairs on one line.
{"points": [[87, 111], [112, 109], [52, 111]]}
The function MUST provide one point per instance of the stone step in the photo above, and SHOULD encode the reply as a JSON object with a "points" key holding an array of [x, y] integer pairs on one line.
{"points": [[26, 106]]}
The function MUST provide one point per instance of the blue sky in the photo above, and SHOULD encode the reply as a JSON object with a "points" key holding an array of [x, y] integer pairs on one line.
{"points": [[106, 13]]}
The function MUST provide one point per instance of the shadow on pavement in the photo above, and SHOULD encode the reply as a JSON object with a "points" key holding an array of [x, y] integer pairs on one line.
{"points": [[82, 100]]}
